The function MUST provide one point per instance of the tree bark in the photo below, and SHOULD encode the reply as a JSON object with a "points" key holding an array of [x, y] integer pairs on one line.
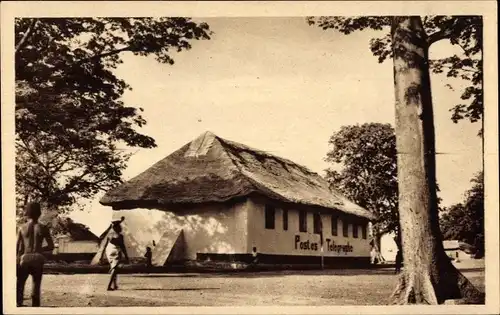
{"points": [[428, 276]]}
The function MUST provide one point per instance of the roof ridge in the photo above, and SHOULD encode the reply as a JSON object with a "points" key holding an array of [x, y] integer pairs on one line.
{"points": [[279, 159], [239, 168], [285, 163], [255, 184]]}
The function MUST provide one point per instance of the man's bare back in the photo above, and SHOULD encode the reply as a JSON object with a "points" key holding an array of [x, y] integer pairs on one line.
{"points": [[40, 232], [30, 252]]}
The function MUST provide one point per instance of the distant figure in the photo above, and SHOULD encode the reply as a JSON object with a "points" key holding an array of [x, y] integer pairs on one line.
{"points": [[255, 258], [373, 252], [399, 261], [149, 256], [115, 249], [30, 258], [375, 255]]}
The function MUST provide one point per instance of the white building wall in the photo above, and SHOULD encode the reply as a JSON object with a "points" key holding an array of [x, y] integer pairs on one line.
{"points": [[388, 247], [215, 229], [66, 245], [280, 242], [236, 229]]}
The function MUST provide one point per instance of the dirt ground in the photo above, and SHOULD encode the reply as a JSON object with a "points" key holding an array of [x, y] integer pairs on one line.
{"points": [[307, 288]]}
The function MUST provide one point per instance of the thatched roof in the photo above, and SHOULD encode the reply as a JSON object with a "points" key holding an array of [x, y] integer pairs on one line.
{"points": [[212, 169], [79, 232]]}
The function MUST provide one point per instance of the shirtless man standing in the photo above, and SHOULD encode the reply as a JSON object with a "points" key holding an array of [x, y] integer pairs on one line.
{"points": [[30, 259]]}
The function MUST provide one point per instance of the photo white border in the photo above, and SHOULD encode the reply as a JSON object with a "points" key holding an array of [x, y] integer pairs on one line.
{"points": [[488, 9]]}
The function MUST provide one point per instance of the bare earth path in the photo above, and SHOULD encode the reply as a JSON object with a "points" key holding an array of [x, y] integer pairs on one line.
{"points": [[312, 288]]}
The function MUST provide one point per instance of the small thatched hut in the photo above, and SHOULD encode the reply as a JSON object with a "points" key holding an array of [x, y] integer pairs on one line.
{"points": [[75, 242], [232, 202]]}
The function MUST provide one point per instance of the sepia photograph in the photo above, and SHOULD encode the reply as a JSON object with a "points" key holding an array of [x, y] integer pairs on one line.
{"points": [[164, 155]]}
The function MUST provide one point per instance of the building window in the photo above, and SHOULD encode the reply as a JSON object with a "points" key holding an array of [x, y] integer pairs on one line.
{"points": [[363, 230], [317, 223], [285, 219], [335, 225], [345, 228], [270, 216], [355, 230], [302, 221]]}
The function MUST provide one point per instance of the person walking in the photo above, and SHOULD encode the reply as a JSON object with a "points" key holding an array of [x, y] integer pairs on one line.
{"points": [[148, 256], [399, 261], [115, 252], [30, 253]]}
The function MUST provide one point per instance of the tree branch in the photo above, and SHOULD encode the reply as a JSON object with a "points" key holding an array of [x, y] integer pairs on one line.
{"points": [[105, 54], [58, 166], [29, 31], [32, 154], [463, 48], [439, 35], [471, 70], [35, 186], [69, 169], [70, 186]]}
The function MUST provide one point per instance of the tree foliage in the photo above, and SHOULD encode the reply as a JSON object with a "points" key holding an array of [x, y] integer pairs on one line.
{"points": [[70, 117], [365, 156], [365, 171], [465, 221], [465, 32]]}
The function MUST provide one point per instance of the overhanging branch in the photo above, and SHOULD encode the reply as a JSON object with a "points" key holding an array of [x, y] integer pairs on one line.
{"points": [[105, 54], [33, 154], [26, 35], [439, 35]]}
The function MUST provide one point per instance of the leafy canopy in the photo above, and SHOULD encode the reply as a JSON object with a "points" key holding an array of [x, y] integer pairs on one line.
{"points": [[71, 122], [463, 31], [465, 221], [365, 170]]}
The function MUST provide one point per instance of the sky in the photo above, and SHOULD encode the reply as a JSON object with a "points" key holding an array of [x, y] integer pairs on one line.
{"points": [[280, 85]]}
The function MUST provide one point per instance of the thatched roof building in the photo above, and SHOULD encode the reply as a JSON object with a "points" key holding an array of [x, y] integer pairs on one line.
{"points": [[74, 231], [80, 232], [212, 169]]}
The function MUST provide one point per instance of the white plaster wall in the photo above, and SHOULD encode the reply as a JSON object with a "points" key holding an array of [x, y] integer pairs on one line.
{"points": [[68, 246], [277, 241], [216, 228], [388, 247], [142, 225]]}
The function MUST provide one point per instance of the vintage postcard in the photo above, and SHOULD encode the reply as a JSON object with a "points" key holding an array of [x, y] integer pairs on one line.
{"points": [[261, 157]]}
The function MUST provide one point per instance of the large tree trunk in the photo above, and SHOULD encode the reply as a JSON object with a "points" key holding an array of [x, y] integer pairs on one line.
{"points": [[428, 276]]}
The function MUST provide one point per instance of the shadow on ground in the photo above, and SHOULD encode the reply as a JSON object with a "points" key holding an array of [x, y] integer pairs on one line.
{"points": [[471, 269], [166, 289], [267, 274]]}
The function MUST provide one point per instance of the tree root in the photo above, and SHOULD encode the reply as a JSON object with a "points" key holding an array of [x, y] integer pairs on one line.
{"points": [[469, 293], [406, 291], [429, 295], [418, 289], [399, 288], [409, 294]]}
